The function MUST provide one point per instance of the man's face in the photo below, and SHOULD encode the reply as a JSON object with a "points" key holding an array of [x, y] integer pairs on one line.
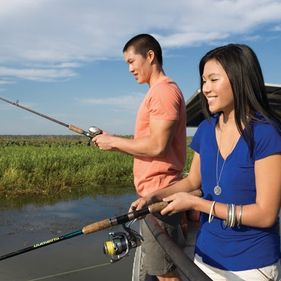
{"points": [[139, 66]]}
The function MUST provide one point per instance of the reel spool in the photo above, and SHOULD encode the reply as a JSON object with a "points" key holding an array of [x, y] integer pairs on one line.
{"points": [[119, 244]]}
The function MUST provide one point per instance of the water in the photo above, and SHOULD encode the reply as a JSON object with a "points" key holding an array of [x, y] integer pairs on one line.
{"points": [[79, 258]]}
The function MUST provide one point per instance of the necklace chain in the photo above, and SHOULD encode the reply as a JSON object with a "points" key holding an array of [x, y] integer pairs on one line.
{"points": [[217, 188], [218, 177]]}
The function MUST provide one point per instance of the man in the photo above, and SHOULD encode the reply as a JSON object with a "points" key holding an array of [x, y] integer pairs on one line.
{"points": [[158, 146]]}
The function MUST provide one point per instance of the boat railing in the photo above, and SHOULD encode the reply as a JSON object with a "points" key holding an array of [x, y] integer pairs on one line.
{"points": [[185, 266]]}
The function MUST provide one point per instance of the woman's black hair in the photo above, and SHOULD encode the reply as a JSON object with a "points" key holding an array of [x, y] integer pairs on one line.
{"points": [[245, 75]]}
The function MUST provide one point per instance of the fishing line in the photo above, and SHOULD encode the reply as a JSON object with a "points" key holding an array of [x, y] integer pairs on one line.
{"points": [[92, 131], [70, 271]]}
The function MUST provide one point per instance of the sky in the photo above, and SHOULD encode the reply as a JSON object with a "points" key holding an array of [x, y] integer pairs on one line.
{"points": [[63, 58]]}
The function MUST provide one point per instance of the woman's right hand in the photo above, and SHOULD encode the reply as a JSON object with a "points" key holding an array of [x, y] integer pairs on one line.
{"points": [[140, 203], [179, 202]]}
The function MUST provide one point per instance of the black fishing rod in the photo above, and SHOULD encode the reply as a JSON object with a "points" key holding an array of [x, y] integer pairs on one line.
{"points": [[94, 227], [92, 131]]}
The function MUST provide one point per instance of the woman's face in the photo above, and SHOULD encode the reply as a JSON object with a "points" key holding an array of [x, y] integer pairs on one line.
{"points": [[217, 88]]}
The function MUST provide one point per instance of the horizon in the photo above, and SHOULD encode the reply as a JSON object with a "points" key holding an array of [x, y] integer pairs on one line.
{"points": [[64, 59]]}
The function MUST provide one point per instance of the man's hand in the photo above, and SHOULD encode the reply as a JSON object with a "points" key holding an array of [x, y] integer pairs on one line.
{"points": [[104, 141]]}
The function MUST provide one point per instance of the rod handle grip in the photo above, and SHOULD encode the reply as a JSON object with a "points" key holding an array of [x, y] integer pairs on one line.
{"points": [[96, 226], [75, 129], [157, 207], [101, 225]]}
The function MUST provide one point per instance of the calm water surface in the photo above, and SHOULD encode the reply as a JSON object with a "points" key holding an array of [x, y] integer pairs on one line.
{"points": [[79, 258]]}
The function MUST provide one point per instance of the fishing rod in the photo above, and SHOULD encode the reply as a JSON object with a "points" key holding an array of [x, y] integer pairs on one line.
{"points": [[92, 131], [94, 227]]}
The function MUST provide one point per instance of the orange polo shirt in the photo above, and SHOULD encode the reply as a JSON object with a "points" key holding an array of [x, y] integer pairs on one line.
{"points": [[163, 101]]}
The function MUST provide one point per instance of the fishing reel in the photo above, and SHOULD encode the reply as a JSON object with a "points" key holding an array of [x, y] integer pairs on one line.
{"points": [[119, 244], [92, 132]]}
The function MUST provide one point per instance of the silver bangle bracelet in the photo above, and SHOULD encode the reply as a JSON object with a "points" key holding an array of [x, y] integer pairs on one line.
{"points": [[226, 221], [231, 218], [239, 220], [211, 216]]}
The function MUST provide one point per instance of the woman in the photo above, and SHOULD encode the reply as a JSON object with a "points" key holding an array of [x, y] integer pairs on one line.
{"points": [[237, 161]]}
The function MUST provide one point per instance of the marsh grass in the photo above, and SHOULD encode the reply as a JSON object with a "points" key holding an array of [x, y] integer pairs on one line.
{"points": [[44, 165]]}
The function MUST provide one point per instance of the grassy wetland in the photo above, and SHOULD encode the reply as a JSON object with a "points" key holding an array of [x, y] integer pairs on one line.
{"points": [[53, 165]]}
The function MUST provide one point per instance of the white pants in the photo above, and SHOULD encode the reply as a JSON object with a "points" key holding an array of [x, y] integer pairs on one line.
{"points": [[272, 272]]}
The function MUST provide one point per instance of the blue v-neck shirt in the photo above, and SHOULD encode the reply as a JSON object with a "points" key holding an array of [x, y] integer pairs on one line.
{"points": [[235, 248]]}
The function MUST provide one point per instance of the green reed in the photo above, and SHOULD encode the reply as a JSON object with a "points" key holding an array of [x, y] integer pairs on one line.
{"points": [[52, 164]]}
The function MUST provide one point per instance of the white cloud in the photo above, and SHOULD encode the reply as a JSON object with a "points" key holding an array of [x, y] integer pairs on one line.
{"points": [[129, 102], [6, 82], [67, 33], [36, 74]]}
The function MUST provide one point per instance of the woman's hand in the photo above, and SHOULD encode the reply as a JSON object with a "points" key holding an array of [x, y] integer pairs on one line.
{"points": [[140, 203], [178, 202]]}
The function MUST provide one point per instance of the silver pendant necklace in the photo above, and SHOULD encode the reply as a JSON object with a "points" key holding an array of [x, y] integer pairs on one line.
{"points": [[217, 188]]}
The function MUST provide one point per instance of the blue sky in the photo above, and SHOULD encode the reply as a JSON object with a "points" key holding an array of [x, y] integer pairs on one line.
{"points": [[64, 57]]}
